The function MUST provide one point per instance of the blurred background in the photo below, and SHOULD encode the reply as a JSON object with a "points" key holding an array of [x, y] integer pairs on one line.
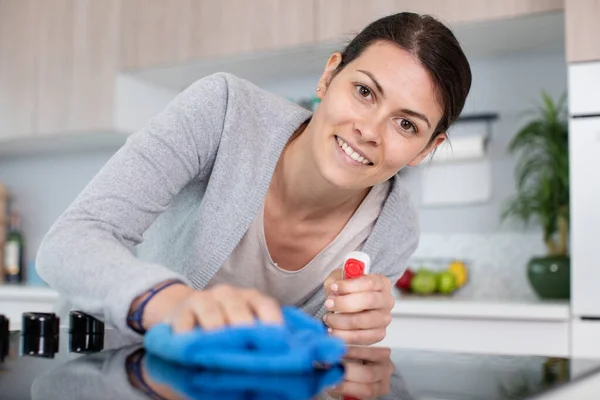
{"points": [[507, 236]]}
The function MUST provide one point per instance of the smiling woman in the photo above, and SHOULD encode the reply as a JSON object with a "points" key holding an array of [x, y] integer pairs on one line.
{"points": [[233, 201]]}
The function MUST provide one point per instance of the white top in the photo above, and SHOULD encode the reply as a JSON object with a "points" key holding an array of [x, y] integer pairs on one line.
{"points": [[250, 264]]}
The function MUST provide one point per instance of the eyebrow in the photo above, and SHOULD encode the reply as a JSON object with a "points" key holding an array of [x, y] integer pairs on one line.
{"points": [[404, 110], [370, 75], [416, 115]]}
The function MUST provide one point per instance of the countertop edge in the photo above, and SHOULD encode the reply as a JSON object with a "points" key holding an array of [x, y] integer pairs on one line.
{"points": [[27, 293], [490, 310], [404, 307]]}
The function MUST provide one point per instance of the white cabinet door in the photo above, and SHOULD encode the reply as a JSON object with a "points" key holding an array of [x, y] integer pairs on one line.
{"points": [[584, 339], [584, 88], [584, 154]]}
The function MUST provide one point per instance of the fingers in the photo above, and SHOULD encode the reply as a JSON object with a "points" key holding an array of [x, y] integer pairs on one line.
{"points": [[370, 282], [235, 307], [265, 308], [370, 354], [222, 306], [183, 321], [360, 320], [363, 337], [364, 379], [369, 372], [361, 301], [335, 275], [360, 390]]}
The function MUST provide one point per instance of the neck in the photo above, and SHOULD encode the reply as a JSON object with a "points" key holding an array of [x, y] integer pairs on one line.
{"points": [[302, 192]]}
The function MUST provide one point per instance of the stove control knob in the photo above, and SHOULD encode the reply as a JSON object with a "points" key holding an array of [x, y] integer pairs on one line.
{"points": [[81, 323], [86, 333], [39, 334], [40, 324], [4, 337]]}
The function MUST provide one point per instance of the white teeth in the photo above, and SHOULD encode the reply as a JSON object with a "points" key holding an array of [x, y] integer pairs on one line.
{"points": [[353, 154]]}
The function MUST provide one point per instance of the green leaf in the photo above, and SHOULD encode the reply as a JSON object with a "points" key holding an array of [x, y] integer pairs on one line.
{"points": [[542, 168]]}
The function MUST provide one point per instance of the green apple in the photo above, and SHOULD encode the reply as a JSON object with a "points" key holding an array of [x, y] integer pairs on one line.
{"points": [[424, 282], [446, 282]]}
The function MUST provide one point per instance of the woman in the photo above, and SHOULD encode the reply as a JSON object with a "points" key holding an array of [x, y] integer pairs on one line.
{"points": [[246, 201]]}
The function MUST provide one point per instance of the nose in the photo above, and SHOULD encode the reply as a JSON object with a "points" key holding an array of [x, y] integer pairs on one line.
{"points": [[369, 131]]}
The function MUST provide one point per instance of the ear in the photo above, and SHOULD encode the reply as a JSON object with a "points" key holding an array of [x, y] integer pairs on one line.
{"points": [[334, 60], [439, 139]]}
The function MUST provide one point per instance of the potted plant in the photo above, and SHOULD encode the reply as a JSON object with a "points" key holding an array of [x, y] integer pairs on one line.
{"points": [[542, 183]]}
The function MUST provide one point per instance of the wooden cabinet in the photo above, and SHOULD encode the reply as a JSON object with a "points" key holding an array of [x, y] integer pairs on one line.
{"points": [[340, 18], [60, 59], [58, 65], [156, 32], [582, 30], [18, 68], [77, 49]]}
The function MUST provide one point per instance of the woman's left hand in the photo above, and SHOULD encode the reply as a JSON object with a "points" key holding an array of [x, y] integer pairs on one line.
{"points": [[358, 310]]}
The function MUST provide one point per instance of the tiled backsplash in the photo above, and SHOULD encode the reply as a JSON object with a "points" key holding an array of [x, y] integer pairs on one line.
{"points": [[497, 261]]}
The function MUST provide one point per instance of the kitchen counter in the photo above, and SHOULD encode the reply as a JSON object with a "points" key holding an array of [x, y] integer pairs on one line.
{"points": [[27, 293], [449, 307], [481, 326], [17, 299], [429, 323], [434, 306]]}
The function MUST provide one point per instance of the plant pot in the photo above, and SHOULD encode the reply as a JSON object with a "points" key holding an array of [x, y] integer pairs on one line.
{"points": [[550, 277]]}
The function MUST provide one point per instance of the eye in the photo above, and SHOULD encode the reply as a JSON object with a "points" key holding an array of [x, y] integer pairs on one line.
{"points": [[363, 91], [406, 125]]}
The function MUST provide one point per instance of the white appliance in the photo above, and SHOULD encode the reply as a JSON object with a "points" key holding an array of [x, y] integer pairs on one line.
{"points": [[584, 164]]}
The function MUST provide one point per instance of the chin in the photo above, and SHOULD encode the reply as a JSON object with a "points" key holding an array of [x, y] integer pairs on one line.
{"points": [[341, 178]]}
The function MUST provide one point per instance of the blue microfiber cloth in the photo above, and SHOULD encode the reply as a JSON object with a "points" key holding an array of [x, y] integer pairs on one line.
{"points": [[297, 345], [205, 384]]}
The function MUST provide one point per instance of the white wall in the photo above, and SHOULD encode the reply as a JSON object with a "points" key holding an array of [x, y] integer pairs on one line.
{"points": [[43, 187]]}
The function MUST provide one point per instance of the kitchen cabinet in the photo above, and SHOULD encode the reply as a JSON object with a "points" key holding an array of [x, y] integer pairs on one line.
{"points": [[337, 18], [77, 49], [18, 68], [155, 33], [582, 30], [485, 327], [59, 76], [64, 63], [58, 65]]}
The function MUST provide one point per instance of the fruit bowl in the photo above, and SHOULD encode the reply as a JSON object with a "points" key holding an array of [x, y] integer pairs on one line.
{"points": [[434, 277]]}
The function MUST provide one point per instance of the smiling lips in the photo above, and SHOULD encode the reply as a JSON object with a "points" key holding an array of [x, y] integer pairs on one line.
{"points": [[352, 153]]}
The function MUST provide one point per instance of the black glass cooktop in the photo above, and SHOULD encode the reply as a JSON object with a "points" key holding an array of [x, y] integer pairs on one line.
{"points": [[83, 360]]}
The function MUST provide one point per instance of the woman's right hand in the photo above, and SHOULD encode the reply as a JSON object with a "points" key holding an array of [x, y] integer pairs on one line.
{"points": [[223, 305]]}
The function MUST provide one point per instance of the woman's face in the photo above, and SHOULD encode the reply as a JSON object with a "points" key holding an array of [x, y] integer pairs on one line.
{"points": [[375, 117]]}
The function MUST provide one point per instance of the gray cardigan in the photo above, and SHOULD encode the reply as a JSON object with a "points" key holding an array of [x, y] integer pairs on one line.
{"points": [[175, 200]]}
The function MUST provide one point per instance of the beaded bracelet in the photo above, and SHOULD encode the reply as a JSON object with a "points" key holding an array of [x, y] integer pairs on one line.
{"points": [[135, 319]]}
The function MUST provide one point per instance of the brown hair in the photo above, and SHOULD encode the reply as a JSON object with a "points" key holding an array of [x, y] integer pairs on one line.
{"points": [[434, 45]]}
